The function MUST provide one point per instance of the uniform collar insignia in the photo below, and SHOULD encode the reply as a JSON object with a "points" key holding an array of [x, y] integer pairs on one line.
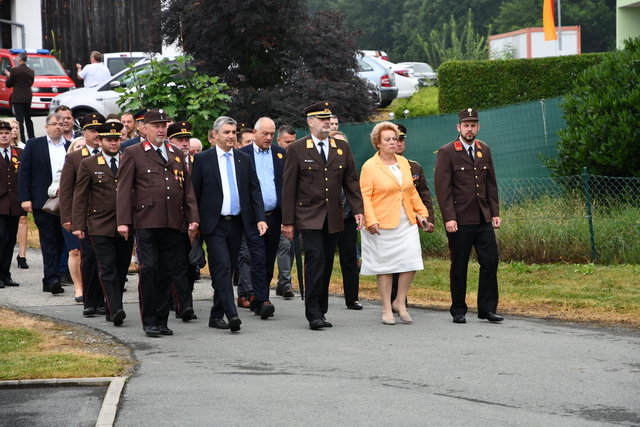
{"points": [[101, 160], [146, 145], [85, 152], [309, 143], [333, 143], [457, 145]]}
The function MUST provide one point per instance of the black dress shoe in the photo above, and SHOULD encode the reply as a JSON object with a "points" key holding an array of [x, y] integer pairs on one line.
{"points": [[265, 310], [118, 317], [55, 287], [89, 311], [354, 305], [9, 282], [65, 278], [218, 323], [164, 330], [151, 331], [186, 314], [327, 324], [1, 284], [22, 262], [101, 310], [316, 324], [491, 317], [459, 318], [287, 292], [234, 323], [193, 316], [279, 291]]}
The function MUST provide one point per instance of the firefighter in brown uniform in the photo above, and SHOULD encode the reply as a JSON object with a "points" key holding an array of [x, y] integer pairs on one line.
{"points": [[94, 210], [467, 191], [155, 198], [10, 209], [91, 289]]}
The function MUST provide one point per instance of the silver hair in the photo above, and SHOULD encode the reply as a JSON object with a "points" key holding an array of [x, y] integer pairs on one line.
{"points": [[260, 120], [223, 120]]}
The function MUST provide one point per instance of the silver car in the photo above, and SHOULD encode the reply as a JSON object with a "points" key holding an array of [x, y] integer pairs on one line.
{"points": [[423, 72], [371, 70]]}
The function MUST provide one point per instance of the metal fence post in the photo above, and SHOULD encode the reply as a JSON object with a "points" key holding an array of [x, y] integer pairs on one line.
{"points": [[592, 236]]}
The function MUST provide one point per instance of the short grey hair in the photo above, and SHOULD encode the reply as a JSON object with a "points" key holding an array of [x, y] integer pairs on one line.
{"points": [[53, 116], [262, 119], [223, 120], [22, 56]]}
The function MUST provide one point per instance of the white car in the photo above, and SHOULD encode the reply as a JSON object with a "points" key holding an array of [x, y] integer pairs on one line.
{"points": [[407, 86]]}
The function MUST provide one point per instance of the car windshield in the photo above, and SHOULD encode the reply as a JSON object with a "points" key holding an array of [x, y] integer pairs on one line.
{"points": [[44, 66], [423, 68]]}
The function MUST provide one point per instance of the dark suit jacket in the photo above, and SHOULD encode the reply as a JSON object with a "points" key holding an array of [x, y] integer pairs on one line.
{"points": [[420, 183], [278, 155], [311, 192], [465, 187], [68, 181], [9, 203], [94, 199], [152, 194], [34, 177], [130, 142], [21, 79], [208, 188]]}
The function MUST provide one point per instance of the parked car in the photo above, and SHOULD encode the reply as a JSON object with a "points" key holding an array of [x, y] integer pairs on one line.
{"points": [[407, 86], [101, 99], [423, 72], [50, 78], [118, 61], [370, 69], [383, 54]]}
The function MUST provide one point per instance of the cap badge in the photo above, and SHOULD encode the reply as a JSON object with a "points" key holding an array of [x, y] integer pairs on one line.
{"points": [[470, 110]]}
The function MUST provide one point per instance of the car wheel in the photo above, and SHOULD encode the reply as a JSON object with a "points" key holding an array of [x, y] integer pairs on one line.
{"points": [[77, 116], [384, 103]]}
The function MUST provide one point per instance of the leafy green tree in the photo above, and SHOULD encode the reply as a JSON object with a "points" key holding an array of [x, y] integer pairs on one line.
{"points": [[602, 119], [178, 89]]}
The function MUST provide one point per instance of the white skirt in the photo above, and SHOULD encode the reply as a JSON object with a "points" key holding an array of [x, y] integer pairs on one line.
{"points": [[395, 250]]}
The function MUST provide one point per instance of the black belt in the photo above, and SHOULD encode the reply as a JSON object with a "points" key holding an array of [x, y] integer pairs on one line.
{"points": [[229, 217], [269, 212]]}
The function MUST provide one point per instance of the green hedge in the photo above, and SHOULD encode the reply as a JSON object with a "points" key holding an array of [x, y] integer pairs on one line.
{"points": [[487, 84]]}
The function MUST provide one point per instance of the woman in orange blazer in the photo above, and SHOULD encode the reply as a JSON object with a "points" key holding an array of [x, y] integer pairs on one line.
{"points": [[392, 243]]}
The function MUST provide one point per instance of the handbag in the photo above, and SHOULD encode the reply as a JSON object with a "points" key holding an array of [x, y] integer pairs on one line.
{"points": [[52, 206], [196, 254]]}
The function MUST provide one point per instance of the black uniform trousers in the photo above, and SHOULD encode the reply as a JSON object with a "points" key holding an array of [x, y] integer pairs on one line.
{"points": [[157, 260], [263, 251], [223, 245], [319, 250], [51, 245], [8, 230], [91, 289], [183, 277], [349, 260], [113, 255], [482, 237], [22, 111]]}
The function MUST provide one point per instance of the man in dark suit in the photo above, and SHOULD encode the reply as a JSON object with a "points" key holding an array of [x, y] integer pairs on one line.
{"points": [[268, 160], [21, 79], [10, 209], [467, 192], [229, 199], [316, 169], [94, 218], [140, 126], [155, 197], [41, 160], [92, 294]]}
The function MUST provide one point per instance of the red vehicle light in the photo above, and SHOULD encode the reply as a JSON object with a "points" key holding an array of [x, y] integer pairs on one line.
{"points": [[404, 73], [384, 81]]}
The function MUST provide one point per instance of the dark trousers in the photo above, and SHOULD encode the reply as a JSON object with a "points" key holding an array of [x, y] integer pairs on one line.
{"points": [[319, 249], [483, 239], [23, 113], [8, 230], [263, 251], [347, 243], [157, 249], [223, 245], [182, 284], [113, 255], [91, 289], [51, 244]]}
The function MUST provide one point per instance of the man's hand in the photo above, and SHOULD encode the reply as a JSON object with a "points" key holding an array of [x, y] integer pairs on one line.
{"points": [[67, 226], [78, 233], [287, 231], [496, 221], [124, 231], [430, 227], [374, 229], [27, 206], [193, 231], [262, 227], [451, 226], [359, 221]]}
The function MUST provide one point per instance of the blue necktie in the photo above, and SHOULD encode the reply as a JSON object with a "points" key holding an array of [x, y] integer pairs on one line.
{"points": [[232, 185]]}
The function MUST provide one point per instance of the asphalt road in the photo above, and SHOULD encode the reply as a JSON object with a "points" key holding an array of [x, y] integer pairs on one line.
{"points": [[277, 372]]}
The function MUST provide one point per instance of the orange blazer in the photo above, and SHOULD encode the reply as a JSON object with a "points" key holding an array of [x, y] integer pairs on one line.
{"points": [[383, 197]]}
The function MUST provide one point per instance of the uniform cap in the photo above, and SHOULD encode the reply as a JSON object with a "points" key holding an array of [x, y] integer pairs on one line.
{"points": [[321, 110]]}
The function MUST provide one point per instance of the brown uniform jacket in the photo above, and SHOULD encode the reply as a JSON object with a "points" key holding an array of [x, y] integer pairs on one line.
{"points": [[420, 183], [9, 202], [68, 182], [154, 195], [311, 190], [94, 198], [466, 189], [21, 79]]}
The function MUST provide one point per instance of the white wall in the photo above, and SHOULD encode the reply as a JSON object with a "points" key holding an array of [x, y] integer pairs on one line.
{"points": [[28, 13]]}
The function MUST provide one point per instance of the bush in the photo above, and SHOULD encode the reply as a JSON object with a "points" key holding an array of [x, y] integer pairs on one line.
{"points": [[487, 84], [422, 103]]}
